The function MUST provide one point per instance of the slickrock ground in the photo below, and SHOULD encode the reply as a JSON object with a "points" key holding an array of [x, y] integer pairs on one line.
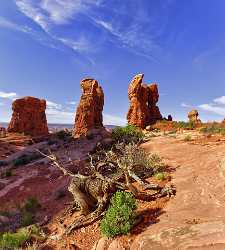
{"points": [[195, 218]]}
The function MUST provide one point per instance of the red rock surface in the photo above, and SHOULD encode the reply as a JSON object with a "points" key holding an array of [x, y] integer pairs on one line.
{"points": [[29, 117], [89, 110], [143, 98], [193, 116]]}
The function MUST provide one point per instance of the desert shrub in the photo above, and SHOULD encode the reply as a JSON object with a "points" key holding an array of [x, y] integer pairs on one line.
{"points": [[184, 125], [7, 173], [28, 210], [63, 135], [25, 159], [120, 216], [213, 128], [13, 240], [16, 240], [127, 134], [160, 176], [27, 219], [132, 156], [31, 204], [187, 138]]}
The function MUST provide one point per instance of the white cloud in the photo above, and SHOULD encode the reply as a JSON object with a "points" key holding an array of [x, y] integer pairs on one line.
{"points": [[72, 103], [59, 116], [10, 95], [185, 105], [53, 105], [113, 120], [213, 109], [217, 106], [220, 100]]}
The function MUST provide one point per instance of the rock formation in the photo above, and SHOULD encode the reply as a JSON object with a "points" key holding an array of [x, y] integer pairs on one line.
{"points": [[154, 113], [89, 110], [193, 116], [29, 117], [2, 132], [170, 118], [223, 122], [143, 98]]}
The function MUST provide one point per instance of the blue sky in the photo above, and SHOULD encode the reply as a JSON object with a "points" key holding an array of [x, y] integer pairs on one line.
{"points": [[48, 46]]}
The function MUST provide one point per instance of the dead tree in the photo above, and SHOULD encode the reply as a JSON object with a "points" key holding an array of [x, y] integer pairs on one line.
{"points": [[92, 193]]}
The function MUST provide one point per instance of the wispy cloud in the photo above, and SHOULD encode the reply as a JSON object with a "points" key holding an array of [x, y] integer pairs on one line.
{"points": [[138, 34], [50, 13], [8, 95], [185, 105], [4, 23], [217, 106]]}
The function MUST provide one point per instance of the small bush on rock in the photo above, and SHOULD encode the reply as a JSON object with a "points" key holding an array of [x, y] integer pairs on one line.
{"points": [[120, 216], [127, 134]]}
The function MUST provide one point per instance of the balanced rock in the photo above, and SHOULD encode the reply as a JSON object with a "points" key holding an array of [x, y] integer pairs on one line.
{"points": [[89, 110], [29, 117], [143, 110], [193, 116]]}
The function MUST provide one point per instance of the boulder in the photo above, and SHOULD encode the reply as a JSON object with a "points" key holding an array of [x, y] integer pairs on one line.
{"points": [[29, 117], [193, 116], [143, 110], [89, 110]]}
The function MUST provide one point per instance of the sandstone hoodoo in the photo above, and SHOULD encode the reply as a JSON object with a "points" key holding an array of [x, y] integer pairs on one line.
{"points": [[143, 98], [2, 132], [29, 117], [193, 116], [89, 110]]}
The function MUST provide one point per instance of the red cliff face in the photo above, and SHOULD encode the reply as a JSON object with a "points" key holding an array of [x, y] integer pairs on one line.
{"points": [[89, 110], [143, 98], [29, 117]]}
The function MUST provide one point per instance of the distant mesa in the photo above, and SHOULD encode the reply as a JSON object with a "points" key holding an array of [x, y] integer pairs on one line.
{"points": [[193, 116], [143, 110], [89, 110], [29, 117]]}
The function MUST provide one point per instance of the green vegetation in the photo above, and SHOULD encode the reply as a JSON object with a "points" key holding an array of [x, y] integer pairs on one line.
{"points": [[213, 128], [187, 138], [25, 159], [28, 211], [161, 176], [7, 173], [120, 216], [127, 134], [64, 135], [15, 240], [27, 219], [184, 125]]}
